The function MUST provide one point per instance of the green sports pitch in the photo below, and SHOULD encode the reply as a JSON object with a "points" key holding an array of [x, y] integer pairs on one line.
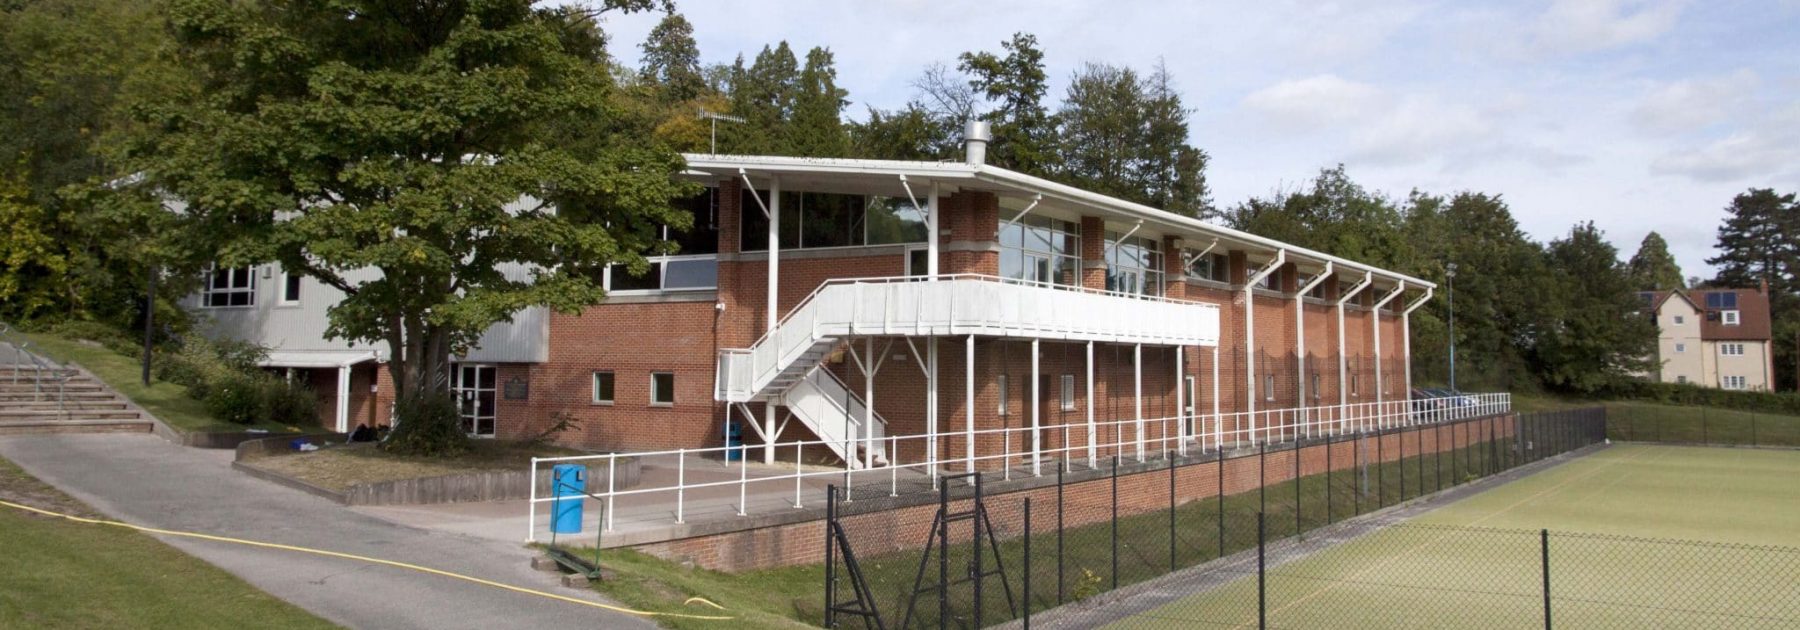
{"points": [[1612, 517]]}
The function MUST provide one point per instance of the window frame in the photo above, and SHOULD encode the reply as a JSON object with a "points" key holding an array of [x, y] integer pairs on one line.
{"points": [[1002, 407], [1036, 254], [656, 391], [208, 290], [289, 281], [1145, 268], [612, 383], [1731, 317]]}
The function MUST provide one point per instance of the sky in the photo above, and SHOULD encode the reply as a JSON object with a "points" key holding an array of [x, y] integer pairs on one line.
{"points": [[1637, 115]]}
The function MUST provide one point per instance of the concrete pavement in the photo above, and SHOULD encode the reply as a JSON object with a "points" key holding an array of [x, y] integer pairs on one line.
{"points": [[147, 481]]}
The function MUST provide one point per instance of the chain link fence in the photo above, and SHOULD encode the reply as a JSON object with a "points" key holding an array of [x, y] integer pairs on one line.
{"points": [[961, 558]]}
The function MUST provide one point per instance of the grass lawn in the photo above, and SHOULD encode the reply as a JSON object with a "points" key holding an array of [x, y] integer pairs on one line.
{"points": [[1477, 563], [338, 467], [169, 402], [784, 598], [56, 573]]}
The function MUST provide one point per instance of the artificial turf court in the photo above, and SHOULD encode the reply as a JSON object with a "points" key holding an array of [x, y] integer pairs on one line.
{"points": [[1478, 562]]}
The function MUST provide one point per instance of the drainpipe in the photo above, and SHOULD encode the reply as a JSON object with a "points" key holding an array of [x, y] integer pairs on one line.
{"points": [[1250, 333], [1343, 360], [1375, 323], [1406, 335], [1300, 326]]}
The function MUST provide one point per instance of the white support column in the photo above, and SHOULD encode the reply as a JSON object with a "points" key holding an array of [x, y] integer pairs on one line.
{"points": [[969, 403], [870, 366], [768, 420], [931, 413], [1375, 323], [1181, 402], [774, 253], [1406, 335], [1037, 446], [1137, 384], [1218, 423], [1343, 358], [1250, 282], [1092, 440], [343, 398], [1300, 330], [932, 237]]}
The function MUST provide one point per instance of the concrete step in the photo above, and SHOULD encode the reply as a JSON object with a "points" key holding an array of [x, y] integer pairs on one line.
{"points": [[52, 405], [52, 394], [6, 386], [22, 427], [8, 414]]}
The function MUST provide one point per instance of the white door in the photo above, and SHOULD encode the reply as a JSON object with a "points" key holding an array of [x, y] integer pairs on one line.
{"points": [[474, 387]]}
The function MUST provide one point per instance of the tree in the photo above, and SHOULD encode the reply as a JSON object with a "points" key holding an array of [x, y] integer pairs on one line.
{"points": [[1173, 172], [1024, 132], [672, 60], [1760, 240], [1652, 268], [444, 165], [1101, 125], [1502, 301], [1599, 336], [909, 133], [816, 127], [764, 95]]}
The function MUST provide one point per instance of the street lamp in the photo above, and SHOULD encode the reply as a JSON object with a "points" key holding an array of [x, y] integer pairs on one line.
{"points": [[1450, 279]]}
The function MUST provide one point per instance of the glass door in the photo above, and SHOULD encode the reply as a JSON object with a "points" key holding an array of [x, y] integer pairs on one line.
{"points": [[474, 388]]}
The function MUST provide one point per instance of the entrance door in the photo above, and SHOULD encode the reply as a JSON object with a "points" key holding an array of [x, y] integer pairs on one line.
{"points": [[473, 386], [918, 260]]}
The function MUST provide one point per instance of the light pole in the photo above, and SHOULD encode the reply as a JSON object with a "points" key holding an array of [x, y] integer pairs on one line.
{"points": [[1450, 279]]}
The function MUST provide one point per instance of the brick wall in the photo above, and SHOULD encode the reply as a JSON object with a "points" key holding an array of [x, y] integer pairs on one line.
{"points": [[1140, 490]]}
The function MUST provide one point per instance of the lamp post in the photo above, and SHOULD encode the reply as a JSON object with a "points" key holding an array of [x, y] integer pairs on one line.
{"points": [[1450, 279]]}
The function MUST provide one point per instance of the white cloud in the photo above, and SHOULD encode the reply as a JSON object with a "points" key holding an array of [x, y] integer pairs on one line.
{"points": [[1765, 151], [1316, 101], [1420, 129], [1573, 26], [1692, 104]]}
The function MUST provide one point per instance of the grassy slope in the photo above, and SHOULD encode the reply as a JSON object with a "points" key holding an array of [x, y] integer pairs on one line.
{"points": [[169, 402], [56, 574]]}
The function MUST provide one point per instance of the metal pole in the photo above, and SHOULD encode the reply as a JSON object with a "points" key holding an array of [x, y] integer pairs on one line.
{"points": [[1171, 515], [1026, 603], [1115, 521], [1262, 598], [1450, 279], [1059, 536], [830, 556], [149, 322], [1544, 545]]}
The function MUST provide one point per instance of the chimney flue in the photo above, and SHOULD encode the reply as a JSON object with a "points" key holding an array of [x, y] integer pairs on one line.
{"points": [[976, 135]]}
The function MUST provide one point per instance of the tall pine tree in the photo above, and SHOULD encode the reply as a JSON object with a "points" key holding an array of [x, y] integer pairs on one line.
{"points": [[816, 126], [1653, 268], [672, 60], [1015, 84]]}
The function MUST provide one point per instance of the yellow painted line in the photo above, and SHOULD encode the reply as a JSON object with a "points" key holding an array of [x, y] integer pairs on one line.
{"points": [[391, 563]]}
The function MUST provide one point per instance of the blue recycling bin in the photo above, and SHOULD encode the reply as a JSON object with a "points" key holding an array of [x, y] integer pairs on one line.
{"points": [[734, 442], [569, 486]]}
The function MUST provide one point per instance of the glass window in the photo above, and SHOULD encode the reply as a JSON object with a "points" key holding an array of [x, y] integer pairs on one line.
{"points": [[620, 279], [1214, 267], [1271, 282], [1269, 387], [1680, 347], [1731, 318], [1041, 249], [662, 388], [229, 287], [603, 387], [290, 288], [891, 220], [1680, 320], [1068, 392], [753, 230], [703, 236], [1002, 394], [829, 220], [1721, 300], [1134, 265]]}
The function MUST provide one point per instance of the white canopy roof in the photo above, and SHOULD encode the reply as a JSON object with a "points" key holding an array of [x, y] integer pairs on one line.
{"points": [[316, 358]]}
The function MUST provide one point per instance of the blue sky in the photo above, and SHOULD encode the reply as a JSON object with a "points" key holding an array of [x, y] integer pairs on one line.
{"points": [[1637, 115]]}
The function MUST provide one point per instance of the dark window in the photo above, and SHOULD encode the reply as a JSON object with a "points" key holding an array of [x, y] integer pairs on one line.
{"points": [[703, 236], [603, 387], [753, 232], [829, 220], [662, 388], [622, 280], [1721, 300], [290, 288]]}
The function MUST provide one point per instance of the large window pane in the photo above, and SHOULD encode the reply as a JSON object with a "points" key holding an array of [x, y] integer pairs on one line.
{"points": [[691, 274], [830, 220], [622, 280], [1040, 249], [703, 236], [753, 233], [890, 220]]}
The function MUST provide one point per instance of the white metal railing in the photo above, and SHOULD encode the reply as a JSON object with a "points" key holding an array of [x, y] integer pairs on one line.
{"points": [[27, 366], [1131, 438], [960, 304]]}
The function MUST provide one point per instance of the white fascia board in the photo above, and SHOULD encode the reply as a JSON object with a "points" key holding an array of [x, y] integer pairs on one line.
{"points": [[1008, 180]]}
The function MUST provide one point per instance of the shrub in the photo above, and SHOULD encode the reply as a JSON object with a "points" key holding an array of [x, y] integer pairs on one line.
{"points": [[111, 338], [427, 424], [290, 404], [1691, 394], [237, 398]]}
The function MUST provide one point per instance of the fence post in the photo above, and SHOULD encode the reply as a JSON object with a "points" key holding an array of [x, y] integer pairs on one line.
{"points": [[1262, 477], [1752, 429], [1400, 437], [830, 556], [944, 551], [1544, 546], [1703, 436], [1220, 477], [1298, 448], [1171, 513], [1115, 521], [1328, 444], [1025, 604], [1262, 619], [1059, 535], [1380, 472]]}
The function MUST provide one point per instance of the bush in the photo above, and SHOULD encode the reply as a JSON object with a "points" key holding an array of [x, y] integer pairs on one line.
{"points": [[1691, 394], [290, 404], [427, 424], [111, 338], [237, 398]]}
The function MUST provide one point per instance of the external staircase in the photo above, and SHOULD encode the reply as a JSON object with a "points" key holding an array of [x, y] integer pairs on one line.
{"points": [[38, 395], [785, 366]]}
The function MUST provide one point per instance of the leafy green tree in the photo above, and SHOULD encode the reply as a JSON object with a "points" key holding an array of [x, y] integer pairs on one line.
{"points": [[1760, 241], [1502, 301], [1172, 171], [1598, 336], [1653, 268], [443, 164], [909, 133], [1101, 125], [1024, 131], [672, 60], [764, 95], [816, 126]]}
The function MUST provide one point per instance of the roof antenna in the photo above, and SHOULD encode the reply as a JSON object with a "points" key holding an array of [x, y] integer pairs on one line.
{"points": [[715, 118]]}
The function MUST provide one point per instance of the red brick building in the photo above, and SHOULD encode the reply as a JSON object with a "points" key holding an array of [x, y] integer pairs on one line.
{"points": [[979, 299]]}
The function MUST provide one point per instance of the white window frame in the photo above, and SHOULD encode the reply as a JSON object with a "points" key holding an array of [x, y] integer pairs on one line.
{"points": [[207, 290], [1068, 392], [655, 391], [1733, 382], [1730, 318], [1001, 406], [1731, 349], [1268, 387], [281, 290], [595, 382]]}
